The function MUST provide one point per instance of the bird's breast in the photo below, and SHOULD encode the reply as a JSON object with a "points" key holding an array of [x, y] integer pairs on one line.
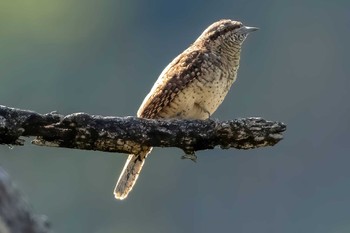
{"points": [[201, 97]]}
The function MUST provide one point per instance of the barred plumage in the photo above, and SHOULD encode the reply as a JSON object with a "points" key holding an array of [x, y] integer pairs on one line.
{"points": [[192, 86]]}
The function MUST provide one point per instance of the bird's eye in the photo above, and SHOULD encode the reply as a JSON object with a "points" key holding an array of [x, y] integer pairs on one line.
{"points": [[221, 27]]}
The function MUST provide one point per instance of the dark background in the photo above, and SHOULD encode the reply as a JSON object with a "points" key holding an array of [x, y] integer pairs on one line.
{"points": [[102, 57]]}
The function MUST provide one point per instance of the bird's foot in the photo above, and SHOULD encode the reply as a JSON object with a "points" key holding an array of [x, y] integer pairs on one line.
{"points": [[191, 156], [209, 115]]}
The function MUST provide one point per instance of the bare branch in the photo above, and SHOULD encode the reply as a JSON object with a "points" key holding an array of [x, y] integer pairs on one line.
{"points": [[15, 214], [129, 134]]}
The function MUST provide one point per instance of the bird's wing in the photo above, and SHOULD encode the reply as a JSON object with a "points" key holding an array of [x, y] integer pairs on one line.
{"points": [[176, 76]]}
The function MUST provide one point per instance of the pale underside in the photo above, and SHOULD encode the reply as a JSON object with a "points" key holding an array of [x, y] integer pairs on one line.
{"points": [[192, 86], [189, 90]]}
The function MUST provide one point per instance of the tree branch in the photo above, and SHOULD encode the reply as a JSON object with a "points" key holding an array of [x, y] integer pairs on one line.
{"points": [[130, 134], [15, 214]]}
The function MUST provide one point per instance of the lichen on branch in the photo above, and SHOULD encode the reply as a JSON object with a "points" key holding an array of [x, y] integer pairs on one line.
{"points": [[130, 134]]}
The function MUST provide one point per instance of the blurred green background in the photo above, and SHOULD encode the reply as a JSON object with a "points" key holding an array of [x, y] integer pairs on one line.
{"points": [[102, 57]]}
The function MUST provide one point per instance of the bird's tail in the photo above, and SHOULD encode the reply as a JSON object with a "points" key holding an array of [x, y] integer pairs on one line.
{"points": [[130, 173]]}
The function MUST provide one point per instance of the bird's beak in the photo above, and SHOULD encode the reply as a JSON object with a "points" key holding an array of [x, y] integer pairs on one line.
{"points": [[246, 30]]}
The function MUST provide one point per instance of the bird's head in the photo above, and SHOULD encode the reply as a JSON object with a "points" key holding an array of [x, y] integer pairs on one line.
{"points": [[225, 32]]}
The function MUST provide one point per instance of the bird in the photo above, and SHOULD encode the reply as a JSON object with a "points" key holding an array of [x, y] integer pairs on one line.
{"points": [[192, 86]]}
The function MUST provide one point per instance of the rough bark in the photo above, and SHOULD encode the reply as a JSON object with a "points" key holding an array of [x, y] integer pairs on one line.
{"points": [[115, 134], [128, 134]]}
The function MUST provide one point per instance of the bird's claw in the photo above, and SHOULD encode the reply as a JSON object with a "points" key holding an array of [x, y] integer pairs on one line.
{"points": [[191, 156]]}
